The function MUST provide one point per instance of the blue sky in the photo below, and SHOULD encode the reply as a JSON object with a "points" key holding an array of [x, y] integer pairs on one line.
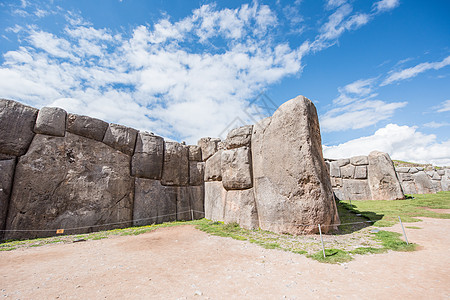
{"points": [[377, 71]]}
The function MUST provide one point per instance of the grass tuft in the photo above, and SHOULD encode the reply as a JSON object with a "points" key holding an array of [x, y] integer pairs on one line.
{"points": [[332, 256]]}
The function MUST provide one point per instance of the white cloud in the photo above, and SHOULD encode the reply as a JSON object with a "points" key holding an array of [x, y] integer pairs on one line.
{"points": [[416, 70], [385, 5], [335, 3], [358, 115], [434, 124], [401, 142], [445, 106]]}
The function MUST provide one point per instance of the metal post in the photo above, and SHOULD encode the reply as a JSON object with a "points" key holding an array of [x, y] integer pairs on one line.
{"points": [[404, 233], [192, 215], [321, 239]]}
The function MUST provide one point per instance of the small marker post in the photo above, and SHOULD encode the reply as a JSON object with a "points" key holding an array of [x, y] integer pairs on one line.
{"points": [[321, 239], [404, 233], [192, 215]]}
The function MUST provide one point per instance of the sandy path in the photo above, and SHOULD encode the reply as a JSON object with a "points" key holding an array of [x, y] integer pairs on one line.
{"points": [[182, 262]]}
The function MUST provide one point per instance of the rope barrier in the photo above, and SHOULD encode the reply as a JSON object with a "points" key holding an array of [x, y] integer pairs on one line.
{"points": [[168, 215]]}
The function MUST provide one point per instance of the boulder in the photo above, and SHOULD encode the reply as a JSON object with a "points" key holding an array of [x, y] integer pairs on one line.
{"points": [[6, 178], [195, 153], [82, 183], [51, 121], [213, 167], [86, 126], [215, 196], [196, 172], [291, 183], [236, 166], [343, 162], [441, 172], [209, 146], [153, 202], [16, 127], [402, 169], [176, 165], [413, 170], [334, 169], [445, 181], [190, 203], [409, 187], [355, 189], [348, 171], [361, 172], [383, 181], [336, 182], [405, 177], [148, 156], [359, 160], [240, 207], [423, 183], [239, 137], [436, 185], [121, 138]]}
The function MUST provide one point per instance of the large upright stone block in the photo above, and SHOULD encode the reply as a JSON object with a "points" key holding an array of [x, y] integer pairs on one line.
{"points": [[86, 126], [359, 160], [354, 189], [291, 181], [153, 202], [195, 153], [16, 127], [196, 172], [176, 165], [81, 183], [209, 146], [213, 167], [383, 181], [6, 178], [423, 183], [215, 196], [148, 158], [51, 121], [239, 137], [240, 207], [121, 138], [236, 165]]}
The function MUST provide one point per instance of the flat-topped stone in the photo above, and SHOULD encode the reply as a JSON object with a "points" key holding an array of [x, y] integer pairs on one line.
{"points": [[86, 126], [51, 121]]}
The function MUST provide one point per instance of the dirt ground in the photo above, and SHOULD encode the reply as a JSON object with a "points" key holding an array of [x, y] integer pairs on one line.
{"points": [[184, 263]]}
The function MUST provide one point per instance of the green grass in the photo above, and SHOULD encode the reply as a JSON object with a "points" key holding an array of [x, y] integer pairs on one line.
{"points": [[349, 240], [413, 227], [385, 213]]}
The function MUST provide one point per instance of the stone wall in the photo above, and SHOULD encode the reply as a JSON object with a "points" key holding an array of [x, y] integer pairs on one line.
{"points": [[271, 175], [370, 177], [417, 180], [60, 170]]}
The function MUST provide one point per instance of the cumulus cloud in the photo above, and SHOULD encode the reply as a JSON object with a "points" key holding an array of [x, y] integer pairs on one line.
{"points": [[416, 70], [356, 107], [183, 79], [401, 142]]}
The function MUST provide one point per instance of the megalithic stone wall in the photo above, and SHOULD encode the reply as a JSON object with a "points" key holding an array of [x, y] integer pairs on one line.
{"points": [[417, 180], [60, 170], [271, 175], [370, 177]]}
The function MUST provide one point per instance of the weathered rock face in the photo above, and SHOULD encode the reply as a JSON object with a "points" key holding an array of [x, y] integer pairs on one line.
{"points": [[121, 138], [213, 167], [208, 146], [290, 177], [240, 207], [86, 126], [239, 137], [176, 165], [236, 168], [383, 181], [354, 189], [86, 184], [195, 153], [215, 196], [148, 156], [196, 172], [423, 183], [16, 127], [6, 178], [51, 121]]}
